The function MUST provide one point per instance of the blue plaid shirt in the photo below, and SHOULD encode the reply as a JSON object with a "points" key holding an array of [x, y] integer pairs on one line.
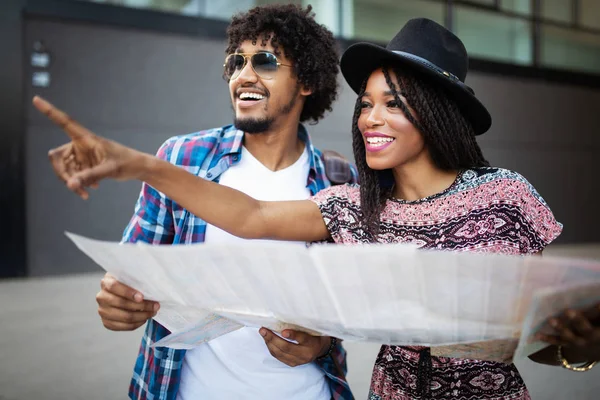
{"points": [[158, 220]]}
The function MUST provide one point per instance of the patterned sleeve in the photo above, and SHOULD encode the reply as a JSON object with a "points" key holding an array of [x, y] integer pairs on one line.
{"points": [[152, 221], [333, 203], [541, 228]]}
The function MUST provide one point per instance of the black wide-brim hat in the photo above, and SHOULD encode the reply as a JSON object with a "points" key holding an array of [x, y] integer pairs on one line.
{"points": [[427, 48]]}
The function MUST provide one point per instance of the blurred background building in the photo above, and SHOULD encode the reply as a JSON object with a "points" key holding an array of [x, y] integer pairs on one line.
{"points": [[140, 71]]}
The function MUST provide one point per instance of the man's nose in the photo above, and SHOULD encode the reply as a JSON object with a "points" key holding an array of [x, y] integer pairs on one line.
{"points": [[247, 73]]}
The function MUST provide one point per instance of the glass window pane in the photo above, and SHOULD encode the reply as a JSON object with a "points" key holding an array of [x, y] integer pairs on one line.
{"points": [[563, 48], [225, 9], [495, 37], [380, 20], [557, 10], [185, 7], [517, 6], [484, 2], [263, 2], [328, 13], [217, 9], [589, 13]]}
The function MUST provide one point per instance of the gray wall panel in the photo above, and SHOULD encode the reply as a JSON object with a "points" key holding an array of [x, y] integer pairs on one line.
{"points": [[52, 210], [535, 113], [566, 179], [123, 78]]}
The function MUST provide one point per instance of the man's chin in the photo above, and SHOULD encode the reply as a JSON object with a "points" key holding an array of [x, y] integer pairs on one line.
{"points": [[253, 125]]}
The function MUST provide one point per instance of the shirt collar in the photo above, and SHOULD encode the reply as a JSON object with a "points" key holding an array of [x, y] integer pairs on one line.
{"points": [[233, 140]]}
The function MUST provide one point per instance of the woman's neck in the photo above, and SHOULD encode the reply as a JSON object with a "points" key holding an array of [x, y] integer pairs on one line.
{"points": [[419, 180]]}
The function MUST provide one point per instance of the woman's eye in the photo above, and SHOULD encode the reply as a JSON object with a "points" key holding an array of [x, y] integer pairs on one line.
{"points": [[364, 105], [392, 104]]}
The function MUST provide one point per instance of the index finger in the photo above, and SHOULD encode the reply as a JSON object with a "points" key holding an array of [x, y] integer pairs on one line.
{"points": [[60, 118], [111, 285]]}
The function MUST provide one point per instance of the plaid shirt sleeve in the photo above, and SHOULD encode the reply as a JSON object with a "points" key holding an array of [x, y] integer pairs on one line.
{"points": [[335, 369], [152, 221], [157, 370]]}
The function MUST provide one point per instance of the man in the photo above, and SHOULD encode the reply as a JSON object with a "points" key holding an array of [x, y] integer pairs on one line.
{"points": [[282, 70]]}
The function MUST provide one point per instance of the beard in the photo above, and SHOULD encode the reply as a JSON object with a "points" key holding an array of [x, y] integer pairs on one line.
{"points": [[259, 125], [253, 125]]}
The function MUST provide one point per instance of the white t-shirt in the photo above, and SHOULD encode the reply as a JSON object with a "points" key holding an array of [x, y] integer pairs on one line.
{"points": [[238, 365]]}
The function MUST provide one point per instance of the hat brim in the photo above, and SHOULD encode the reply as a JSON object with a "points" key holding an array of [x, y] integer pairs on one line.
{"points": [[360, 59]]}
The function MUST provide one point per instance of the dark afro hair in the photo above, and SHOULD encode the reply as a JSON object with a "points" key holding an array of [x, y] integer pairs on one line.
{"points": [[310, 46]]}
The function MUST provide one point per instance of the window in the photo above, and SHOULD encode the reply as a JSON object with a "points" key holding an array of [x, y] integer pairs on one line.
{"points": [[493, 36], [224, 9], [490, 3], [589, 14], [557, 10], [380, 20], [566, 49], [186, 7], [516, 6], [498, 30]]}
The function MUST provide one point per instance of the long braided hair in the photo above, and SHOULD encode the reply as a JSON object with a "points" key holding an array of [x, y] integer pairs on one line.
{"points": [[447, 134]]}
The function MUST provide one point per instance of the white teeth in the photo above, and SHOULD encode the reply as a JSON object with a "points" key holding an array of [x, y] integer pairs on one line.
{"points": [[247, 95], [379, 141]]}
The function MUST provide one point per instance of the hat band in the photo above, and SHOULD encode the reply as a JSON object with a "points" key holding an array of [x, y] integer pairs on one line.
{"points": [[435, 68]]}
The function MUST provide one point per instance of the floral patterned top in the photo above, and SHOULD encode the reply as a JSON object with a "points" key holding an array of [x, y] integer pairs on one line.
{"points": [[485, 210]]}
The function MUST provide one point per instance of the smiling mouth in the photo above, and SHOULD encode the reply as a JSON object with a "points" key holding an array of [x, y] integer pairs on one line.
{"points": [[250, 96], [377, 141]]}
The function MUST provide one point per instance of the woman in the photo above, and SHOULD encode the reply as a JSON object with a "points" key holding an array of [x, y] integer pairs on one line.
{"points": [[424, 181]]}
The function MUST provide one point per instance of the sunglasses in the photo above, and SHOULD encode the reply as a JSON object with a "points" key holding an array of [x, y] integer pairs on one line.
{"points": [[263, 63]]}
